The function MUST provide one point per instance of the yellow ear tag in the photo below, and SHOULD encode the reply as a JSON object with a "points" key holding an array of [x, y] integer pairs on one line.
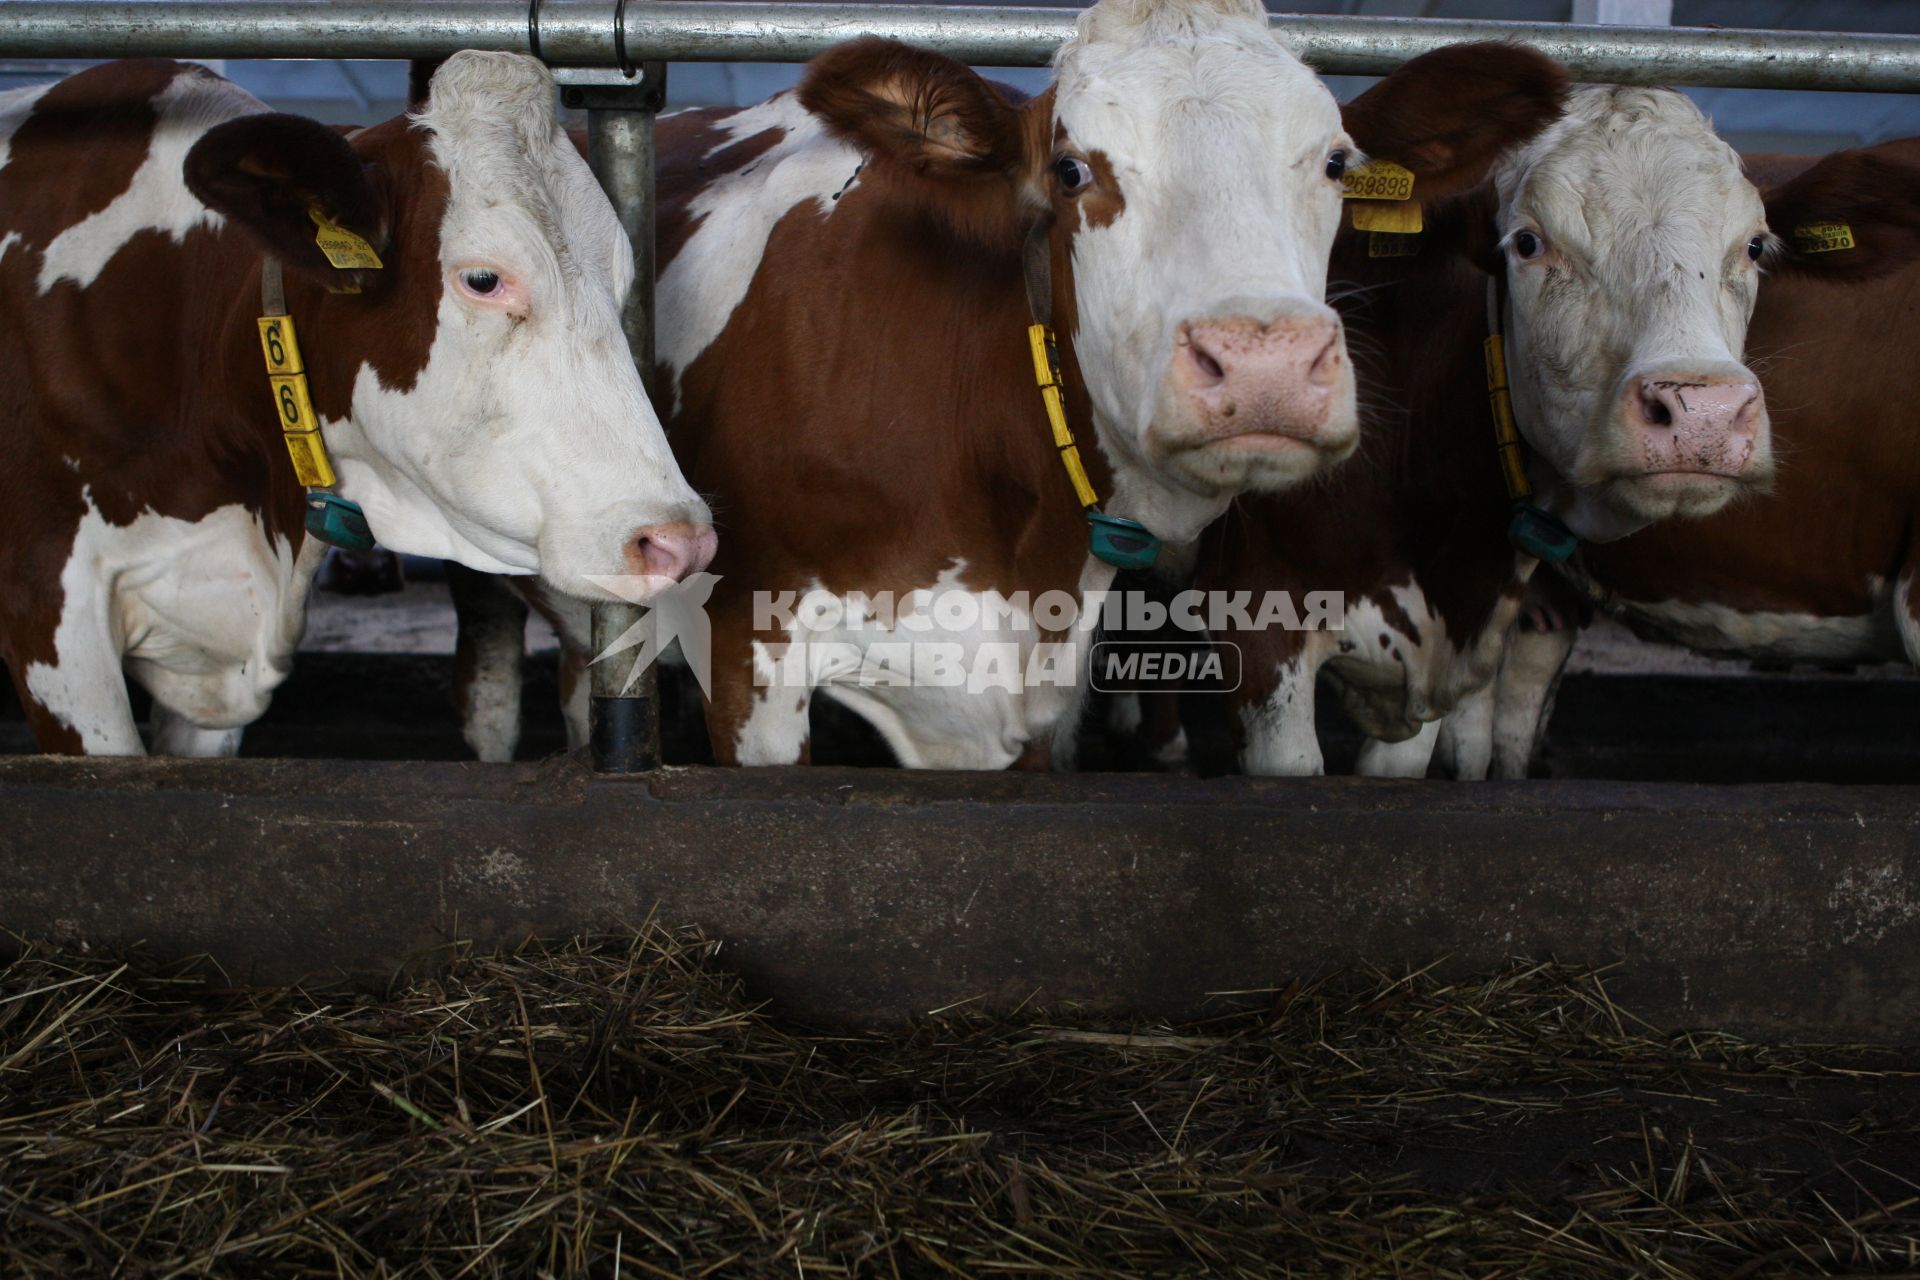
{"points": [[343, 248], [1823, 237], [1381, 244], [1377, 180], [1401, 218]]}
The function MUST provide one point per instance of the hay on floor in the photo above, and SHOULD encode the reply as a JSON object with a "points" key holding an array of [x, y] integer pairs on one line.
{"points": [[616, 1106]]}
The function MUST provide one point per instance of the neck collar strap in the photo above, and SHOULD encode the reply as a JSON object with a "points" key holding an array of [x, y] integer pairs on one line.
{"points": [[1530, 528], [1122, 543], [330, 517]]}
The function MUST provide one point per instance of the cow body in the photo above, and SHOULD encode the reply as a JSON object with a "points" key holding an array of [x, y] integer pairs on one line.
{"points": [[151, 525], [1623, 351], [843, 314]]}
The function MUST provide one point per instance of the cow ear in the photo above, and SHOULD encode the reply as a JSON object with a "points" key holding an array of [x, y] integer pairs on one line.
{"points": [[271, 172], [929, 125], [1853, 216], [1449, 114]]}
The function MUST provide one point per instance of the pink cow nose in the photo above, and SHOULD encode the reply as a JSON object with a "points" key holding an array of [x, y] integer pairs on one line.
{"points": [[1243, 376], [1701, 423], [671, 551]]}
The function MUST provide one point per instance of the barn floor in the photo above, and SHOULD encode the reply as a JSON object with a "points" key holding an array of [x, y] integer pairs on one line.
{"points": [[616, 1107]]}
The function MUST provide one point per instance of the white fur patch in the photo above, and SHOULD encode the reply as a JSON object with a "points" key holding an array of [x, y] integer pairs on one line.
{"points": [[1787, 637], [708, 278], [157, 198], [205, 614]]}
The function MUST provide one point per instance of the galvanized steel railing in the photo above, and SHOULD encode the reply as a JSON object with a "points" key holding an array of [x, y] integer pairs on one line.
{"points": [[582, 33]]}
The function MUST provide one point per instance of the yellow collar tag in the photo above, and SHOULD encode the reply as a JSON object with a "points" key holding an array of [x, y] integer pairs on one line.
{"points": [[1377, 180], [1823, 237], [293, 403], [1506, 432], [344, 249], [1046, 373]]}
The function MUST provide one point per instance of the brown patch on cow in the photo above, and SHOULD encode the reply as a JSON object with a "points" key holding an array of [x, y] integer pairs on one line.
{"points": [[1874, 191], [390, 325], [1104, 201], [944, 141], [105, 114], [1450, 114]]}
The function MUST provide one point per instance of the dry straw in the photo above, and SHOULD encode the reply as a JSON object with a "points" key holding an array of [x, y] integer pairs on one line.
{"points": [[616, 1107]]}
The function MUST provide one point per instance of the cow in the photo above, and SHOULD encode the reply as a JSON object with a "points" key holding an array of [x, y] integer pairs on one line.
{"points": [[849, 275], [1625, 250], [179, 452], [1821, 569]]}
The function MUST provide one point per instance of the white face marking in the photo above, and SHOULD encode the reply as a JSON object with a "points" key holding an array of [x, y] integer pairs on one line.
{"points": [[157, 198], [1627, 225], [527, 443], [1218, 139], [709, 277], [205, 614]]}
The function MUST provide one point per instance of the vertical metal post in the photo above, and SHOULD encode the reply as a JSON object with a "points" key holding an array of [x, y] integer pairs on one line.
{"points": [[625, 723]]}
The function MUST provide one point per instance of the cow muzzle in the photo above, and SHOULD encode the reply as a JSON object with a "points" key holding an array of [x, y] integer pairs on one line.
{"points": [[671, 552], [1239, 376], [1693, 438]]}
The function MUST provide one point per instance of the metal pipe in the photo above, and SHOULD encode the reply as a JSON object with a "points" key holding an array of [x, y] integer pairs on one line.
{"points": [[624, 722], [580, 33]]}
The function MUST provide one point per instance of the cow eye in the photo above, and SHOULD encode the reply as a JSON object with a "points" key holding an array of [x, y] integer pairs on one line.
{"points": [[1756, 247], [1075, 174], [1337, 165], [1527, 245], [480, 282]]}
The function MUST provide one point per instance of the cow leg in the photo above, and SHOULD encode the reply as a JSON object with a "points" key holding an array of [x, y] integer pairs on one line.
{"points": [[175, 735], [576, 690], [492, 629], [1524, 692], [757, 709], [1465, 747], [1281, 737], [78, 704], [1405, 759]]}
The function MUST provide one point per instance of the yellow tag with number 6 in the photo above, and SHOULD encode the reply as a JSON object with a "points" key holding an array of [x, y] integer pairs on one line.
{"points": [[343, 248], [291, 402], [279, 345]]}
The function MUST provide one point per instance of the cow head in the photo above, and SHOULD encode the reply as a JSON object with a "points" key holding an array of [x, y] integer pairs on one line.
{"points": [[1634, 248], [1187, 166], [477, 394]]}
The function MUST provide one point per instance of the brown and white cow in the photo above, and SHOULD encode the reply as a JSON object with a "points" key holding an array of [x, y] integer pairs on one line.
{"points": [[476, 393], [1824, 567], [1634, 249], [843, 324]]}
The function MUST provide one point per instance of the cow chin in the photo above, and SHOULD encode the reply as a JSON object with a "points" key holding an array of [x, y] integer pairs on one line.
{"points": [[1680, 495], [1264, 459]]}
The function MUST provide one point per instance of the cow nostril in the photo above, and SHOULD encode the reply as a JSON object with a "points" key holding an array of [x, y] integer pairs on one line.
{"points": [[1654, 409]]}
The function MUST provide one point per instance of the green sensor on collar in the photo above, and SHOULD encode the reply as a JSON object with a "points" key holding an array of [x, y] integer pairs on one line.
{"points": [[1540, 535], [334, 520], [1124, 544]]}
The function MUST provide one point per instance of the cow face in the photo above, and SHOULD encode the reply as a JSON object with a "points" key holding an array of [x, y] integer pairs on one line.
{"points": [[477, 395], [1186, 167], [1632, 246]]}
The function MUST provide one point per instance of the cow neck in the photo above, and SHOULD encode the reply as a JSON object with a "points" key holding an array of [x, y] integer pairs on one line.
{"points": [[1115, 540], [1529, 528], [329, 517]]}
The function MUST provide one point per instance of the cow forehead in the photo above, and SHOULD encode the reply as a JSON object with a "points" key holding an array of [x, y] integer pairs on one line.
{"points": [[1184, 77], [1630, 168], [513, 173]]}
